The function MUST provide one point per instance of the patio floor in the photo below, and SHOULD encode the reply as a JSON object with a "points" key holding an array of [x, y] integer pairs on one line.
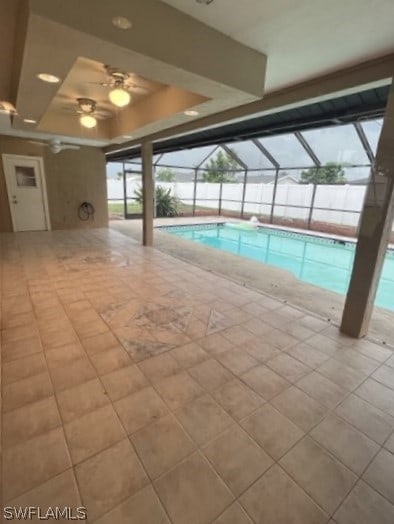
{"points": [[152, 391]]}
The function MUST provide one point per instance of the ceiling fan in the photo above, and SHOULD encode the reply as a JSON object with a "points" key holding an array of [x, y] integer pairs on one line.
{"points": [[55, 145], [121, 86]]}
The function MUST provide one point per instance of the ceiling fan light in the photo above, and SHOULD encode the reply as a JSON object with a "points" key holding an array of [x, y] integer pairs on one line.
{"points": [[119, 97], [7, 107], [88, 121]]}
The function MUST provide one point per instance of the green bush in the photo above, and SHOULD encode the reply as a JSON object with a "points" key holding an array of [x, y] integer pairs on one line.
{"points": [[166, 204]]}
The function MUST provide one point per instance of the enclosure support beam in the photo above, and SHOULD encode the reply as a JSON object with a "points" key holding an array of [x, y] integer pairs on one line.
{"points": [[124, 190], [374, 234], [148, 194]]}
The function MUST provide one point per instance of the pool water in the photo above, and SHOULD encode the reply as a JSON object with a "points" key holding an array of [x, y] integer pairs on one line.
{"points": [[323, 262]]}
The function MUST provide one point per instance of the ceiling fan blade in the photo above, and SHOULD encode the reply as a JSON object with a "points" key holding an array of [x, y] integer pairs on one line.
{"points": [[69, 146], [138, 89], [38, 143]]}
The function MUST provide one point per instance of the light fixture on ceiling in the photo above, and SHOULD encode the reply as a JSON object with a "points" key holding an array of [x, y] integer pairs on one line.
{"points": [[121, 22], [7, 108], [191, 112], [127, 137], [206, 2], [119, 96], [29, 121], [48, 77], [87, 107]]}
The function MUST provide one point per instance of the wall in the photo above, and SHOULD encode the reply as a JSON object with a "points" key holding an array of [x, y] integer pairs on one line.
{"points": [[72, 177]]}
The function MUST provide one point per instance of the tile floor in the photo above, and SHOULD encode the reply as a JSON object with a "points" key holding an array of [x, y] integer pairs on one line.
{"points": [[151, 391]]}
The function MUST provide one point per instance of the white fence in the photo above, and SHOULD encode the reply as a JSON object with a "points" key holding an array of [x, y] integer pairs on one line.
{"points": [[258, 197]]}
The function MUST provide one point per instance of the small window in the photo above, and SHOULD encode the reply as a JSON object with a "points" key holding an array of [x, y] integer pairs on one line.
{"points": [[25, 176]]}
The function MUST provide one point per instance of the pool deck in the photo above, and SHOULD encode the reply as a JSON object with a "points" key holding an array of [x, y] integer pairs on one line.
{"points": [[269, 280]]}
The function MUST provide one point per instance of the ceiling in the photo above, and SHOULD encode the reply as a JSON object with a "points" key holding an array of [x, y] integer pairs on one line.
{"points": [[187, 55], [301, 38], [76, 40]]}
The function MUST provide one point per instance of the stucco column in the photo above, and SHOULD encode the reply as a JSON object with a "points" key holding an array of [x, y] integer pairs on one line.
{"points": [[148, 194], [374, 233]]}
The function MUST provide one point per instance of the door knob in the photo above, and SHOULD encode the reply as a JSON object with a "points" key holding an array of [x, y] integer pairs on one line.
{"points": [[15, 201]]}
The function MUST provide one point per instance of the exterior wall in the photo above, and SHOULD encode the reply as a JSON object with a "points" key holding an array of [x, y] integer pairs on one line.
{"points": [[72, 177]]}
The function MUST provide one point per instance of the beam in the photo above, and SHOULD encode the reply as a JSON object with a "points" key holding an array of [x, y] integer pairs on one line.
{"points": [[367, 75], [147, 194], [374, 233]]}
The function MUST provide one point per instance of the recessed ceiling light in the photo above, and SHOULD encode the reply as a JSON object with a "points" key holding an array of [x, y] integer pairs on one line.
{"points": [[47, 77], [29, 121], [121, 22], [127, 137], [191, 112]]}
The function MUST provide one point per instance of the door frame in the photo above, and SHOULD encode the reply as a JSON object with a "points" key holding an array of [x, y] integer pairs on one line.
{"points": [[8, 157]]}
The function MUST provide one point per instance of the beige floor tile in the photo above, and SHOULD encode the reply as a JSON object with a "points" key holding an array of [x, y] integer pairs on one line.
{"points": [[203, 419], [356, 360], [275, 433], [58, 337], [260, 350], [276, 498], [389, 444], [237, 335], [31, 463], [237, 399], [64, 354], [325, 479], [19, 319], [93, 432], [237, 361], [237, 458], [23, 368], [27, 390], [365, 506], [159, 367], [13, 334], [265, 382], [82, 399], [373, 422], [60, 491], [162, 444], [89, 329], [288, 367], [307, 355], [70, 374], [192, 492], [21, 348], [279, 339], [30, 421], [189, 355], [210, 374], [326, 345], [215, 344], [372, 350], [322, 389], [108, 478], [139, 409], [257, 326], [142, 508], [110, 359], [100, 342], [385, 375], [235, 514], [377, 394], [351, 447], [342, 374], [179, 389], [300, 408], [380, 474], [123, 382]]}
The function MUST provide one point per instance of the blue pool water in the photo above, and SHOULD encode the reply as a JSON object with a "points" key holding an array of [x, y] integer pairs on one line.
{"points": [[320, 261]]}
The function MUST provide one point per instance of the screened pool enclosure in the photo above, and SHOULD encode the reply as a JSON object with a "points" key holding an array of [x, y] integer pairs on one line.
{"points": [[314, 179]]}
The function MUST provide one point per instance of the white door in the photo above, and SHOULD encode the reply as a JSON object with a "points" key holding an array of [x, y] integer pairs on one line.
{"points": [[26, 189]]}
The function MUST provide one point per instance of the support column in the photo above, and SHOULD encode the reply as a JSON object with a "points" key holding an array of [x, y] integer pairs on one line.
{"points": [[147, 194], [374, 233]]}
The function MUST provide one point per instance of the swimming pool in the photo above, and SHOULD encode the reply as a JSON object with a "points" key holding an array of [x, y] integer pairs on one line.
{"points": [[324, 262]]}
